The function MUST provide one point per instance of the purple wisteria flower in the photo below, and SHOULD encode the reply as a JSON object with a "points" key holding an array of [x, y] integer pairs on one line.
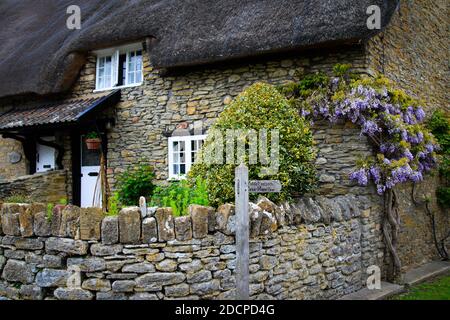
{"points": [[360, 176]]}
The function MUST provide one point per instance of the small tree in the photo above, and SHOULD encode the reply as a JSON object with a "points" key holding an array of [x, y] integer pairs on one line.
{"points": [[261, 106]]}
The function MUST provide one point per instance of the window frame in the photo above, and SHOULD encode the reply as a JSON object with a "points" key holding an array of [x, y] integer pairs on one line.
{"points": [[115, 53], [188, 154]]}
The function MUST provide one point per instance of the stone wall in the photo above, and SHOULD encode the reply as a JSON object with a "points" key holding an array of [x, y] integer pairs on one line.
{"points": [[413, 50], [314, 248], [9, 170], [46, 187]]}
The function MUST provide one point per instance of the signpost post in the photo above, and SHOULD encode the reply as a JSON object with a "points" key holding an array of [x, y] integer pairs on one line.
{"points": [[242, 189], [242, 233]]}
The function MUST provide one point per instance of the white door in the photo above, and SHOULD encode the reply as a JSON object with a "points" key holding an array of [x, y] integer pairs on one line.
{"points": [[45, 156], [91, 195]]}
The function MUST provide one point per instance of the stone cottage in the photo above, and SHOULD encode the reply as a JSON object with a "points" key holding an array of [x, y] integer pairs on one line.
{"points": [[137, 70]]}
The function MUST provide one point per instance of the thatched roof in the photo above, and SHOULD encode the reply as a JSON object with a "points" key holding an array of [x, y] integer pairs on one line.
{"points": [[40, 55]]}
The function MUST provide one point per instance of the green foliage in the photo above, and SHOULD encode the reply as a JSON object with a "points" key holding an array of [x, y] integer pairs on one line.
{"points": [[261, 106], [63, 201], [436, 290], [92, 135], [17, 198], [178, 195], [439, 124], [50, 207], [114, 204], [134, 183]]}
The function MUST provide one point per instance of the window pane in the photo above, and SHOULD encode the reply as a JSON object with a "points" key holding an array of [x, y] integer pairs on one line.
{"points": [[176, 169], [182, 169], [175, 146], [131, 77]]}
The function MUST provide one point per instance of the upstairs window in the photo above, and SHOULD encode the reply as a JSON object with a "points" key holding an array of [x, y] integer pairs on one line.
{"points": [[119, 67], [182, 154]]}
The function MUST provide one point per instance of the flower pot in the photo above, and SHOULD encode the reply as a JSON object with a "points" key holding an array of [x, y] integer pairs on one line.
{"points": [[93, 144]]}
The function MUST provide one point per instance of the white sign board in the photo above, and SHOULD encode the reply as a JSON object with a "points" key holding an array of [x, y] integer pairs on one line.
{"points": [[264, 186]]}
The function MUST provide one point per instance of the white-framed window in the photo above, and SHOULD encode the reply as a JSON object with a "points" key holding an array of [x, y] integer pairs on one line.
{"points": [[182, 154], [119, 67]]}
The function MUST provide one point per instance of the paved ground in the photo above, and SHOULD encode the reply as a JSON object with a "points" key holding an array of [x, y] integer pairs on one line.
{"points": [[412, 277]]}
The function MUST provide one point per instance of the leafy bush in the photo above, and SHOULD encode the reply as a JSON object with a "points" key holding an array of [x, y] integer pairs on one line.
{"points": [[50, 207], [134, 183], [439, 124], [261, 106], [114, 204], [178, 195]]}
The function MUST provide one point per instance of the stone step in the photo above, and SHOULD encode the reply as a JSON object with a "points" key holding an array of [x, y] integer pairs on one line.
{"points": [[387, 290], [415, 276], [426, 272]]}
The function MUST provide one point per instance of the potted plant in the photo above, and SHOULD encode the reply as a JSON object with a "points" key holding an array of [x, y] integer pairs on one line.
{"points": [[93, 141]]}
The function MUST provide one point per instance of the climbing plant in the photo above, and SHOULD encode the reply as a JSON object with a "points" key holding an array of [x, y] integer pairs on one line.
{"points": [[404, 149]]}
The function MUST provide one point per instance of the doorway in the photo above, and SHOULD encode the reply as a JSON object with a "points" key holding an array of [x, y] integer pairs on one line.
{"points": [[91, 195]]}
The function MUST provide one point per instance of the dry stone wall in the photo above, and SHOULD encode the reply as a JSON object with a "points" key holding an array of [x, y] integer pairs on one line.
{"points": [[47, 187], [312, 248]]}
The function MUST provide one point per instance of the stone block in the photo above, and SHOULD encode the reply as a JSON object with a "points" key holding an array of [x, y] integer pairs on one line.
{"points": [[55, 219], [154, 281], [255, 219], [199, 215], [123, 285], [142, 267], [98, 249], [211, 219], [73, 294], [31, 292], [10, 224], [69, 246], [26, 223], [183, 228], [48, 278], [70, 222], [90, 223], [204, 288], [223, 214], [130, 225], [90, 264], [110, 230], [165, 221], [18, 271], [149, 230], [177, 290], [94, 284], [42, 224]]}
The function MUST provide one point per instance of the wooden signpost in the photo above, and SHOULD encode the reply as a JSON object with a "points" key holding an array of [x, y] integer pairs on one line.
{"points": [[242, 189]]}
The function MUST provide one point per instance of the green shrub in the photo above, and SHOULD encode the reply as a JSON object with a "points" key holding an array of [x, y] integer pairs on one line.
{"points": [[261, 106], [114, 204], [50, 207], [134, 183], [178, 195]]}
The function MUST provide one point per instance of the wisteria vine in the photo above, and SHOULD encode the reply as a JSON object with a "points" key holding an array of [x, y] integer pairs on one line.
{"points": [[404, 149]]}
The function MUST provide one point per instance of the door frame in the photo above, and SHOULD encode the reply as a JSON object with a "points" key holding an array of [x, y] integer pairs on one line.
{"points": [[76, 161]]}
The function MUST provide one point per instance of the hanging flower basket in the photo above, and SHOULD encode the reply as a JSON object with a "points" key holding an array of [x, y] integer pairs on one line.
{"points": [[93, 144]]}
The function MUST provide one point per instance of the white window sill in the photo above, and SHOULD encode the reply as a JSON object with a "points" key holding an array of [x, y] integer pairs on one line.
{"points": [[177, 178], [119, 87]]}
